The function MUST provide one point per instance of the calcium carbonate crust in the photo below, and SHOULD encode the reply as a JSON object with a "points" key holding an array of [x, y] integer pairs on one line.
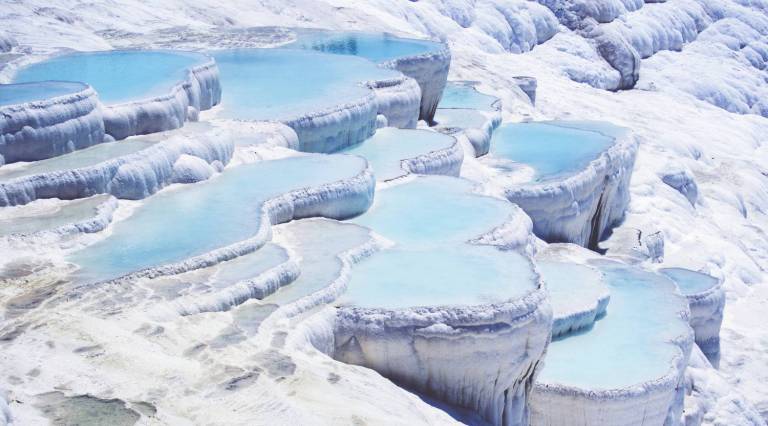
{"points": [[134, 176], [341, 126], [707, 309], [200, 91], [47, 128], [478, 137], [339, 200], [582, 207], [580, 319], [430, 70], [446, 161]]}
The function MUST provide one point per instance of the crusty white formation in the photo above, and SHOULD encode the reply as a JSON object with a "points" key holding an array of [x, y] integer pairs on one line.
{"points": [[582, 207], [398, 100], [430, 70], [47, 128], [445, 161], [200, 91], [134, 176], [479, 137]]}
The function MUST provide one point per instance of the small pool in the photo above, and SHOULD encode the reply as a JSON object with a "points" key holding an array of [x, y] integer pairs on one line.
{"points": [[377, 47], [460, 118], [279, 84], [82, 158], [118, 76], [552, 149], [462, 94], [48, 215], [690, 282], [433, 211], [389, 146], [442, 276], [215, 213], [631, 344], [13, 94]]}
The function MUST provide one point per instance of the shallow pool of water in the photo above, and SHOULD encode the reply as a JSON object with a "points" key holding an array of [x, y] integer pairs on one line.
{"points": [[630, 345], [551, 149], [12, 94], [82, 158], [194, 219], [442, 276], [277, 84], [377, 47], [117, 76], [389, 146], [47, 215], [433, 210], [690, 282], [459, 94]]}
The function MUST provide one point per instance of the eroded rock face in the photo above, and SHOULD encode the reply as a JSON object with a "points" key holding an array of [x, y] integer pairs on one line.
{"points": [[46, 128]]}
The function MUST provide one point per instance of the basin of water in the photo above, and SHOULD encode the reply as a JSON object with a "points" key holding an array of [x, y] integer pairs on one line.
{"points": [[78, 159], [442, 276], [460, 94], [631, 344], [215, 213], [433, 211], [45, 215], [389, 146], [551, 149], [278, 84], [118, 76], [377, 47], [690, 282], [13, 94]]}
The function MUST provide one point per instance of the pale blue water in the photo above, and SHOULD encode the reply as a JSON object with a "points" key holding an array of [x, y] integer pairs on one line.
{"points": [[377, 47], [464, 95], [195, 219], [318, 243], [389, 146], [460, 118], [629, 345], [29, 218], [117, 76], [553, 150], [433, 211], [690, 282], [442, 276], [12, 94], [82, 158], [249, 266], [274, 84]]}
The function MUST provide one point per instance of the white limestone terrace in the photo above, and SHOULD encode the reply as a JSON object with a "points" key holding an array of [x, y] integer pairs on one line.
{"points": [[466, 113], [331, 105], [451, 290], [45, 119], [578, 294], [49, 221], [571, 178], [394, 153], [141, 91], [706, 299], [425, 61], [131, 169], [628, 367], [225, 217]]}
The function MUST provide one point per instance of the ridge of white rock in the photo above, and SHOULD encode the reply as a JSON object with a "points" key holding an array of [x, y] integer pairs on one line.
{"points": [[134, 176], [706, 299], [46, 128], [583, 206], [200, 91]]}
